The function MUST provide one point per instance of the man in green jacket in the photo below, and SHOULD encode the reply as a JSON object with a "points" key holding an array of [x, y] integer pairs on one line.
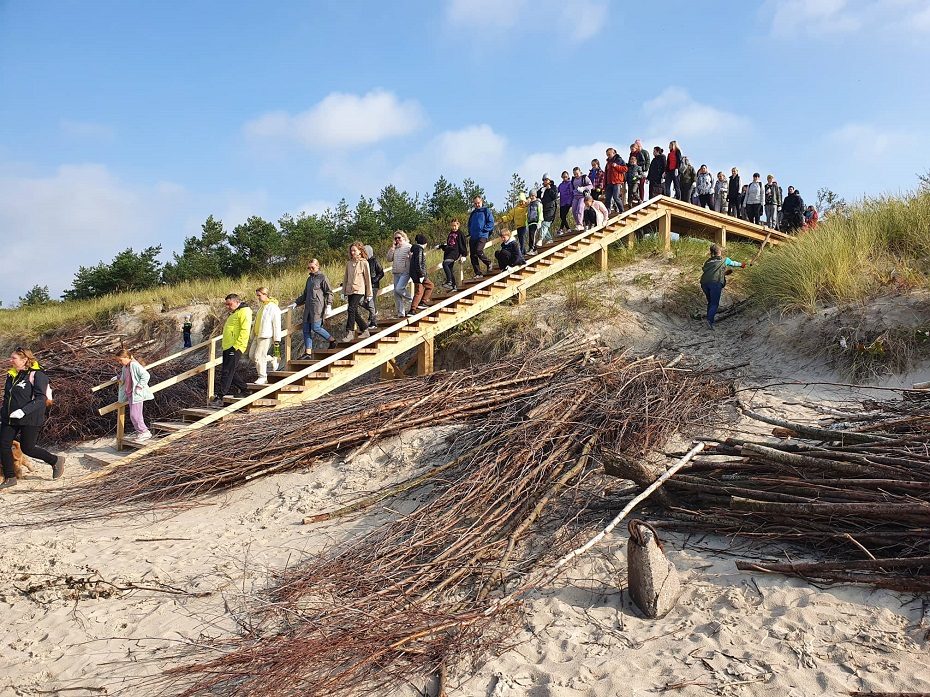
{"points": [[235, 341]]}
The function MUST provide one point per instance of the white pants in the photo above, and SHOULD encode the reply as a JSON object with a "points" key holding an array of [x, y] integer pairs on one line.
{"points": [[258, 353]]}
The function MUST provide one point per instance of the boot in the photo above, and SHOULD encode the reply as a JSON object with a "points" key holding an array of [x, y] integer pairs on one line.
{"points": [[8, 482]]}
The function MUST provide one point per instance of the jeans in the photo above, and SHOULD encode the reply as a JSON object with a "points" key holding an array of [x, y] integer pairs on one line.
{"points": [[633, 196], [309, 330], [670, 179], [771, 215], [532, 237], [476, 250], [563, 216], [613, 195], [447, 266], [229, 376], [521, 237], [187, 340], [26, 435], [401, 296], [712, 291], [706, 200], [352, 316], [545, 232]]}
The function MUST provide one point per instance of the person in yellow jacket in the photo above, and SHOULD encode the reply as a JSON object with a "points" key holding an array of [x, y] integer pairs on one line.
{"points": [[517, 219], [235, 340]]}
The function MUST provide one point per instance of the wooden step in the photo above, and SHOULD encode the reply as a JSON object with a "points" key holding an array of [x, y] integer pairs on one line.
{"points": [[264, 402], [198, 412], [170, 426], [131, 442], [448, 310], [292, 387], [367, 350], [341, 364], [318, 375]]}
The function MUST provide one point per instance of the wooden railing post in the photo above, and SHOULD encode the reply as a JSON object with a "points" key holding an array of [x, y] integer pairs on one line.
{"points": [[211, 371], [665, 231], [120, 426], [286, 356], [720, 237], [425, 357]]}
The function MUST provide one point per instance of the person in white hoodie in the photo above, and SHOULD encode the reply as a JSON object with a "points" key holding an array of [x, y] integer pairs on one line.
{"points": [[266, 332], [755, 195], [399, 256]]}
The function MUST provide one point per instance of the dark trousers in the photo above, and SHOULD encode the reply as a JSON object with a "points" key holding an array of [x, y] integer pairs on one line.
{"points": [[504, 258], [447, 265], [655, 189], [733, 206], [590, 217], [563, 216], [187, 340], [353, 318], [476, 249], [754, 212], [642, 189], [229, 375], [531, 235], [670, 179], [26, 435], [712, 291], [707, 200], [521, 237], [613, 196], [632, 192], [372, 307]]}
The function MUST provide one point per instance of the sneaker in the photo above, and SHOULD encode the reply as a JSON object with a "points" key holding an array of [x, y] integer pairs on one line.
{"points": [[447, 286], [243, 394], [710, 325], [219, 400], [8, 482], [333, 343], [58, 468], [308, 356], [261, 381], [531, 253], [508, 268], [364, 335], [144, 436], [373, 325], [481, 275]]}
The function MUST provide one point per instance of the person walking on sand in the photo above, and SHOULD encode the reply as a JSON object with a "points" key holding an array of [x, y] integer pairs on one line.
{"points": [[549, 196], [566, 196], [454, 249], [133, 381], [377, 275], [266, 333], [317, 300], [508, 256], [714, 278], [581, 187], [419, 272], [399, 256], [480, 227], [25, 397], [235, 341], [356, 287]]}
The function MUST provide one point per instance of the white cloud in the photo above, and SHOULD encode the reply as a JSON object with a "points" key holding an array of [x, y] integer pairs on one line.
{"points": [[584, 17], [675, 115], [819, 18], [341, 121], [496, 14], [475, 149], [553, 163], [78, 214], [576, 21]]}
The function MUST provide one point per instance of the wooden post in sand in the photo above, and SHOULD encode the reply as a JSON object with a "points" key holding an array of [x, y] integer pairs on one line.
{"points": [[120, 426], [665, 231], [720, 236], [602, 258], [425, 357]]}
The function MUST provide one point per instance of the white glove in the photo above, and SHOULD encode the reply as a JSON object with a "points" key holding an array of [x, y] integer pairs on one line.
{"points": [[370, 301], [291, 306], [18, 414], [328, 310]]}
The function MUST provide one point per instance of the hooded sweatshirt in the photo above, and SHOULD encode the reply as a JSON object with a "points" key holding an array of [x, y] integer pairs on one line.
{"points": [[267, 323], [236, 329]]}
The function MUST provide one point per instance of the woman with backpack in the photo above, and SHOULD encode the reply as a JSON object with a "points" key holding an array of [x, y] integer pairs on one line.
{"points": [[23, 414], [133, 382], [581, 186]]}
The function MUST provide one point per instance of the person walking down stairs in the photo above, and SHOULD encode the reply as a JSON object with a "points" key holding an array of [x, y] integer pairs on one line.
{"points": [[133, 381], [317, 300], [480, 227], [399, 256], [235, 341], [714, 278], [356, 287], [454, 249], [422, 285], [266, 333], [377, 275]]}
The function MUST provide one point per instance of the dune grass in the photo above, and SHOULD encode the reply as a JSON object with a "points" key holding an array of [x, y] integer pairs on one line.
{"points": [[881, 244]]}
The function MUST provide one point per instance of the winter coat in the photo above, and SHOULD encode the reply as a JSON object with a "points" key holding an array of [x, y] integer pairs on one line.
{"points": [[455, 246], [418, 270], [643, 158], [400, 259], [267, 323], [773, 195], [581, 186], [375, 271], [317, 296], [550, 202], [480, 223], [237, 327], [705, 183], [517, 216], [26, 390], [715, 270], [566, 193], [597, 178], [357, 279], [656, 169], [513, 246], [686, 173], [140, 384], [793, 205], [673, 160], [733, 190], [633, 172], [755, 194], [616, 169]]}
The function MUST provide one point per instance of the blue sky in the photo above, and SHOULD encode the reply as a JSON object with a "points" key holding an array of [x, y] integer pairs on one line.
{"points": [[128, 123]]}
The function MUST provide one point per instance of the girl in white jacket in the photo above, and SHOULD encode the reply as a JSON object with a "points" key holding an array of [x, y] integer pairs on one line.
{"points": [[266, 332]]}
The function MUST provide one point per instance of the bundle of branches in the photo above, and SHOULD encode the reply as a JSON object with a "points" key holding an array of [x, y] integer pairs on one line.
{"points": [[75, 364], [855, 491], [421, 592]]}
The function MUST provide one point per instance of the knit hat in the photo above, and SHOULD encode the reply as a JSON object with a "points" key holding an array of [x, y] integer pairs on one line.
{"points": [[546, 176], [522, 196]]}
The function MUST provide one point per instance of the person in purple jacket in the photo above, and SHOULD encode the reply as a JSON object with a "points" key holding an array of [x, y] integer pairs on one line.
{"points": [[581, 186], [566, 196]]}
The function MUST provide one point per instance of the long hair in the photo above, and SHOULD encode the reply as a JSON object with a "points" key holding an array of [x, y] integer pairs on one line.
{"points": [[27, 354], [361, 250]]}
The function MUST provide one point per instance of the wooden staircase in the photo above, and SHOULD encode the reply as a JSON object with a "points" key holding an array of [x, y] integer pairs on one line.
{"points": [[327, 369]]}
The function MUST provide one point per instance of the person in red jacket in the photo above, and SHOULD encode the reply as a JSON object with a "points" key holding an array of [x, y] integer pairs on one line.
{"points": [[672, 164], [614, 176]]}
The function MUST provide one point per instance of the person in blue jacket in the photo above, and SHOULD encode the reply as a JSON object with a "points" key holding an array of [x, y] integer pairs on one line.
{"points": [[714, 278], [480, 227]]}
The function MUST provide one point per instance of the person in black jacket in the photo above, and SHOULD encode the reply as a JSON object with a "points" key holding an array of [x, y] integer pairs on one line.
{"points": [[419, 274], [549, 196], [792, 211], [733, 192], [454, 249], [377, 275], [656, 172], [509, 254], [23, 414]]}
